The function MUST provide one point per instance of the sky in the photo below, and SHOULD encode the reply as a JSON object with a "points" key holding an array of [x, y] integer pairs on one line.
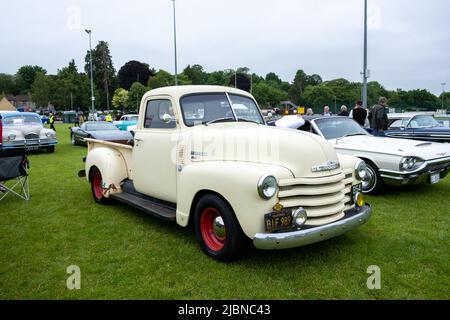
{"points": [[409, 41]]}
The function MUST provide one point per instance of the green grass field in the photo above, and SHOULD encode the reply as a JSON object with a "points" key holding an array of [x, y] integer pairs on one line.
{"points": [[125, 254]]}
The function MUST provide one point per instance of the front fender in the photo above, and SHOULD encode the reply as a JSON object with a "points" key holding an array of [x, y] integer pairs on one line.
{"points": [[111, 164], [236, 182]]}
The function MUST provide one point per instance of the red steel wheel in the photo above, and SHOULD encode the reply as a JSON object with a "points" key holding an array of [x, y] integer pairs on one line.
{"points": [[97, 187], [213, 229]]}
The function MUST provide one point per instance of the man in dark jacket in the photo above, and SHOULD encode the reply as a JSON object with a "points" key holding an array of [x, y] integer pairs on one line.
{"points": [[378, 117], [359, 114]]}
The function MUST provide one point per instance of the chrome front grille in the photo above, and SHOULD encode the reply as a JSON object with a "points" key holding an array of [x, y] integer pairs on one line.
{"points": [[32, 136], [325, 199]]}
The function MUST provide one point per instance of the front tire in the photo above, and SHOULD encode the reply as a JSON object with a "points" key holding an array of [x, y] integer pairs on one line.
{"points": [[217, 230], [72, 139], [97, 186], [374, 184], [51, 149]]}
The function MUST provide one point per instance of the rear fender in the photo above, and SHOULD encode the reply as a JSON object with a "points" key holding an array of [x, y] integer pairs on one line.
{"points": [[112, 166]]}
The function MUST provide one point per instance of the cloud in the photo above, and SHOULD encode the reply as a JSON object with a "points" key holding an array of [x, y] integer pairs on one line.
{"points": [[409, 43]]}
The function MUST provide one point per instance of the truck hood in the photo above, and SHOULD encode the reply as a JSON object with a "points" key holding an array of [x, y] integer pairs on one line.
{"points": [[404, 147], [247, 142]]}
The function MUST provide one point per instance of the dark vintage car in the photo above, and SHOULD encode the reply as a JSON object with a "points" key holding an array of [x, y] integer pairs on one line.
{"points": [[417, 127], [99, 130]]}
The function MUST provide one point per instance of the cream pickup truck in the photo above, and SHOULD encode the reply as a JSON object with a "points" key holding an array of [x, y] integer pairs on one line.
{"points": [[204, 155]]}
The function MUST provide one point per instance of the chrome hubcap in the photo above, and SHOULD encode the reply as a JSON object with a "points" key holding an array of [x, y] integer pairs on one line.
{"points": [[370, 180], [219, 227]]}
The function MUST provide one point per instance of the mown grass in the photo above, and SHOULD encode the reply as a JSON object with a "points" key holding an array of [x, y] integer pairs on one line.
{"points": [[125, 254]]}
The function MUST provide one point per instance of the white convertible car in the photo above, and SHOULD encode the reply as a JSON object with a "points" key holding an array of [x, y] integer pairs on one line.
{"points": [[389, 161]]}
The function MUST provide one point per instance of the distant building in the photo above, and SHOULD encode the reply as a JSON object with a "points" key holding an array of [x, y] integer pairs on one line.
{"points": [[21, 102]]}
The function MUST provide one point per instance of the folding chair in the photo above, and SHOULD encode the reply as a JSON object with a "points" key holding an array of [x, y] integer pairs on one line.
{"points": [[14, 170]]}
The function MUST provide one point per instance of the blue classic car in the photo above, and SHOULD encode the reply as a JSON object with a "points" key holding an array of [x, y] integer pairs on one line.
{"points": [[417, 127], [127, 120], [24, 130]]}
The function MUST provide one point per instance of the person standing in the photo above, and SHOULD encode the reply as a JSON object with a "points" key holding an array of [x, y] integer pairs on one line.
{"points": [[52, 122], [309, 112], [108, 118], [344, 112], [359, 114], [326, 111], [378, 117]]}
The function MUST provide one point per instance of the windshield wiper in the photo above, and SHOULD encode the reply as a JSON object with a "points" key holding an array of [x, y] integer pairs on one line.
{"points": [[219, 120], [246, 120]]}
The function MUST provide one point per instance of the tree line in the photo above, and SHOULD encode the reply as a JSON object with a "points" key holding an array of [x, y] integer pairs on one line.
{"points": [[70, 89]]}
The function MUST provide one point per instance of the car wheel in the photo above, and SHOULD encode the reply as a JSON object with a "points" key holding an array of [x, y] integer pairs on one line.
{"points": [[72, 139], [51, 149], [97, 186], [374, 183], [217, 230]]}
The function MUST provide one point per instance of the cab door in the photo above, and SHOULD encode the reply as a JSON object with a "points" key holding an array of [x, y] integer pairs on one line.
{"points": [[154, 166]]}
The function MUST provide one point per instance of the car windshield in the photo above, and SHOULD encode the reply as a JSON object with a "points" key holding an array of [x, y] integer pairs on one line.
{"points": [[97, 126], [200, 109], [333, 128], [18, 120], [423, 122]]}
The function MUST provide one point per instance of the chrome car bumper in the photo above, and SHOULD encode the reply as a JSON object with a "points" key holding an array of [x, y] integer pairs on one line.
{"points": [[29, 144], [353, 218], [420, 175]]}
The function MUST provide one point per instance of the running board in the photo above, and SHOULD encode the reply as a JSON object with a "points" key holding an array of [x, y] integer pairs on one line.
{"points": [[146, 205]]}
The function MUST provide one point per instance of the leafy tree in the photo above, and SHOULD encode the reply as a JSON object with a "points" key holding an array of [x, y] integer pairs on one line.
{"points": [[218, 78], [317, 97], [273, 79], [242, 82], [25, 77], [196, 74], [103, 70], [7, 84], [267, 95], [134, 71], [120, 98], [42, 90], [135, 95], [164, 79]]}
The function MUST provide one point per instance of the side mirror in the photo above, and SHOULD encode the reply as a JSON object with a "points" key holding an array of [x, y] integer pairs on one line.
{"points": [[166, 118]]}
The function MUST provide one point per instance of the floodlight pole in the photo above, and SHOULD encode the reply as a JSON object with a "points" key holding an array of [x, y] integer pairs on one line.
{"points": [[175, 43], [443, 93], [365, 76], [92, 77]]}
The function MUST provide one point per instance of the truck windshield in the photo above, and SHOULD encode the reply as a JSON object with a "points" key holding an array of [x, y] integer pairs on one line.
{"points": [[201, 109]]}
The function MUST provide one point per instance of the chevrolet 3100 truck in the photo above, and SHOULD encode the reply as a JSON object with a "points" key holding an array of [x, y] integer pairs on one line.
{"points": [[204, 155]]}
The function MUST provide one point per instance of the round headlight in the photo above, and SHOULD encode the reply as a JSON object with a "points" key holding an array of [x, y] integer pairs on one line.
{"points": [[267, 187], [404, 164], [361, 170], [411, 163], [299, 215]]}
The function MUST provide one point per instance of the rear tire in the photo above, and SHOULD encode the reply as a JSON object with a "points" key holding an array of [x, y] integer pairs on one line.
{"points": [[217, 230], [375, 184], [97, 186]]}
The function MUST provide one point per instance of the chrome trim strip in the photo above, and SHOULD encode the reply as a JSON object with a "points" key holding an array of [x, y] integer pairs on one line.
{"points": [[270, 241]]}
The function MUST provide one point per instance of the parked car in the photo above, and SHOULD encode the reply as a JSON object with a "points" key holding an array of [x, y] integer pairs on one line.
{"points": [[45, 119], [100, 130], [417, 127], [126, 121], [389, 161], [203, 154], [26, 130]]}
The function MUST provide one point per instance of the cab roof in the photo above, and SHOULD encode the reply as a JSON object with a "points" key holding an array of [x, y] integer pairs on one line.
{"points": [[179, 91]]}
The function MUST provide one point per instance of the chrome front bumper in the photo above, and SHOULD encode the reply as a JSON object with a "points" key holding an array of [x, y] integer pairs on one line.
{"points": [[420, 175], [353, 218]]}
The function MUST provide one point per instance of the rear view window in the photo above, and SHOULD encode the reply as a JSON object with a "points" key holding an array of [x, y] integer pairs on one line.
{"points": [[156, 109]]}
